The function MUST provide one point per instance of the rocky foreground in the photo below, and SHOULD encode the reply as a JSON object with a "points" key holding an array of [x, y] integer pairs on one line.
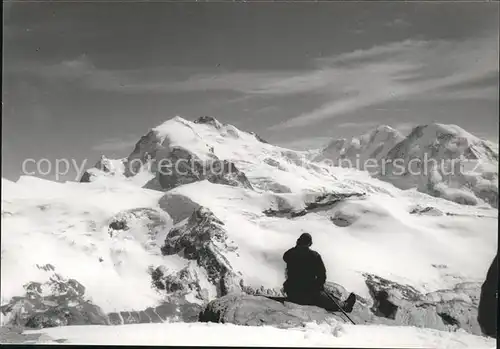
{"points": [[392, 304]]}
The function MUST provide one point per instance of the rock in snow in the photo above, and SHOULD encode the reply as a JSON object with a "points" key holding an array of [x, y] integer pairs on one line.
{"points": [[63, 302], [203, 238], [58, 302], [441, 310], [258, 311], [392, 304]]}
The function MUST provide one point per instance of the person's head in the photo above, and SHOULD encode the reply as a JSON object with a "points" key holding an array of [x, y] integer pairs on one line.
{"points": [[305, 240]]}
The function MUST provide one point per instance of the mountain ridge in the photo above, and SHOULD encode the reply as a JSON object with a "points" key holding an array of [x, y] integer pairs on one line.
{"points": [[476, 160], [375, 151]]}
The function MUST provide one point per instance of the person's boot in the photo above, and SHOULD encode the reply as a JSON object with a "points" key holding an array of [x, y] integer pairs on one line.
{"points": [[349, 303]]}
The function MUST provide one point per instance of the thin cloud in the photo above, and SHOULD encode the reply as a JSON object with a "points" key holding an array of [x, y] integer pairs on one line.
{"points": [[374, 53], [412, 70], [82, 70], [307, 143], [116, 144], [358, 125], [352, 72], [347, 82], [489, 93]]}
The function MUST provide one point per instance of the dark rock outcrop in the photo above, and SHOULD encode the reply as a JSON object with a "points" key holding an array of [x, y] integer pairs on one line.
{"points": [[343, 219], [426, 211], [269, 184], [86, 177], [226, 172], [259, 138], [263, 309], [57, 302], [321, 202], [203, 239], [179, 284], [392, 304], [174, 165], [488, 304], [145, 150], [274, 163], [259, 310], [446, 310], [62, 302], [384, 307], [209, 120], [180, 166], [378, 284]]}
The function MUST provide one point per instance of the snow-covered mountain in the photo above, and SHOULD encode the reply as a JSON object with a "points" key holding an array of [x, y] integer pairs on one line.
{"points": [[201, 209], [356, 152], [441, 160]]}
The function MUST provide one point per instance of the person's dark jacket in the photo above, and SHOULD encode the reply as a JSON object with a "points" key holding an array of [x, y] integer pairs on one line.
{"points": [[488, 302], [305, 271]]}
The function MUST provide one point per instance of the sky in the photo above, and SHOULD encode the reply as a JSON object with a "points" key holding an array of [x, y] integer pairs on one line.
{"points": [[81, 79]]}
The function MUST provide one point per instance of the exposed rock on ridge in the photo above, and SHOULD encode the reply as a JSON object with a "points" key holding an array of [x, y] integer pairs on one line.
{"points": [[202, 238]]}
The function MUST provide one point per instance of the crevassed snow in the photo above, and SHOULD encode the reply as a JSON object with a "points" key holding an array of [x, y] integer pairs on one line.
{"points": [[66, 225], [473, 179], [371, 145], [312, 335]]}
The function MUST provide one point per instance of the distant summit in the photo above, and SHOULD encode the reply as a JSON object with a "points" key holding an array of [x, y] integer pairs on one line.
{"points": [[442, 160], [374, 144]]}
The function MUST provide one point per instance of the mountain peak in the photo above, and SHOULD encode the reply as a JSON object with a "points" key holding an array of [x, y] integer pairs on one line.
{"points": [[439, 130], [373, 144], [436, 141], [209, 120], [385, 128], [381, 133]]}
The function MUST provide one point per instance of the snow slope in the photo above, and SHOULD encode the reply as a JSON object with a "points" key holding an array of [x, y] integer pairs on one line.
{"points": [[67, 224], [386, 240], [208, 334]]}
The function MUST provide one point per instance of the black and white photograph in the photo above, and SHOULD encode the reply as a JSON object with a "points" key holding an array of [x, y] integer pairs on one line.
{"points": [[250, 173]]}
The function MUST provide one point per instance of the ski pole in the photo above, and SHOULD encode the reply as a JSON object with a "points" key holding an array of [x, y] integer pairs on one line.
{"points": [[342, 310]]}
